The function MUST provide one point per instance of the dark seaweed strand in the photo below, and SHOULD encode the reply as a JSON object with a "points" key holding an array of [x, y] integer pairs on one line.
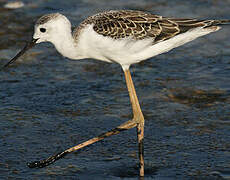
{"points": [[48, 161]]}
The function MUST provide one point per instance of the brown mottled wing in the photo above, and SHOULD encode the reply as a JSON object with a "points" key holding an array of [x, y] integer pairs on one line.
{"points": [[182, 25], [121, 24], [140, 25]]}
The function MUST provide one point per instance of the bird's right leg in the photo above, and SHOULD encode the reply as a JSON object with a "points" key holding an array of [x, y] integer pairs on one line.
{"points": [[137, 121]]}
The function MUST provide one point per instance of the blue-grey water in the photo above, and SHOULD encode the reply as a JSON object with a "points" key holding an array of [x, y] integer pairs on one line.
{"points": [[49, 103]]}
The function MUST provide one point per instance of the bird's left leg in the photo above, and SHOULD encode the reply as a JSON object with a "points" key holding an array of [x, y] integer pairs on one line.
{"points": [[45, 162], [138, 118]]}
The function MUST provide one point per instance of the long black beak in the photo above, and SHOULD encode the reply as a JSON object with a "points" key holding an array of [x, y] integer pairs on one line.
{"points": [[27, 47]]}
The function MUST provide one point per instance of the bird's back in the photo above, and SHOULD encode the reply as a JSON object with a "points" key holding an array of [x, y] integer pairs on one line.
{"points": [[140, 25], [128, 36]]}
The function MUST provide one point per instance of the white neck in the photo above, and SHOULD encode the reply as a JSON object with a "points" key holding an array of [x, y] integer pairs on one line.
{"points": [[66, 45]]}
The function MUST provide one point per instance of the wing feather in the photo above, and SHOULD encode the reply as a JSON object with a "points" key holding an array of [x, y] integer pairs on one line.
{"points": [[140, 25]]}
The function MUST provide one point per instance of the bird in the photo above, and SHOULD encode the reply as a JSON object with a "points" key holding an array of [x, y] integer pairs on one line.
{"points": [[124, 37]]}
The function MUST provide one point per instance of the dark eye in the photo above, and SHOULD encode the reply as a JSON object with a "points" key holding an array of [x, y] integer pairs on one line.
{"points": [[42, 30]]}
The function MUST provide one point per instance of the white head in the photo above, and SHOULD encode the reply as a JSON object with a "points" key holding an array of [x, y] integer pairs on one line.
{"points": [[54, 28], [50, 27]]}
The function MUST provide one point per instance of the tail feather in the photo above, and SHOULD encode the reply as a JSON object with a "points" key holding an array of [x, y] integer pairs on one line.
{"points": [[217, 22]]}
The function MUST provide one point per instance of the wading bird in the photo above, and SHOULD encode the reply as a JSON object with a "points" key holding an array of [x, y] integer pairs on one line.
{"points": [[124, 37]]}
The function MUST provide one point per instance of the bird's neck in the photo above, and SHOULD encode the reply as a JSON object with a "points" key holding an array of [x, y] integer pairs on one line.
{"points": [[66, 45]]}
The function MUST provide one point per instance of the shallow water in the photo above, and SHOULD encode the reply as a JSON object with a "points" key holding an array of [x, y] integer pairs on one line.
{"points": [[49, 103]]}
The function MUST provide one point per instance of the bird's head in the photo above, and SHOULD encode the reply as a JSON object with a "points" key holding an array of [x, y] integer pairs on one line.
{"points": [[48, 28]]}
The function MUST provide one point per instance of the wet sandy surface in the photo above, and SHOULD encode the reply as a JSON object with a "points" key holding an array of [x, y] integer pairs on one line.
{"points": [[49, 103]]}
